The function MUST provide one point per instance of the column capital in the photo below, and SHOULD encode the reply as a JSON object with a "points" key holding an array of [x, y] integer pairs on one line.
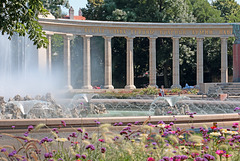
{"points": [[68, 36], [130, 37], [48, 33], [108, 36], [86, 36], [152, 37], [224, 38], [200, 37], [176, 37]]}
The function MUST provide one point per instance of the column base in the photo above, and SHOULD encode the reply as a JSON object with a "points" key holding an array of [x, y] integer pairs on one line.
{"points": [[108, 87], [130, 87], [87, 87], [176, 86], [68, 87]]}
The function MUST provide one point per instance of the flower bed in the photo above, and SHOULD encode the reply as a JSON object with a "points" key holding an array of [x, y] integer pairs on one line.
{"points": [[150, 91], [135, 142]]}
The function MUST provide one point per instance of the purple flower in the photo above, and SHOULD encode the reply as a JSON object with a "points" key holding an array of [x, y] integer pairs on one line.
{"points": [[136, 123], [13, 127], [169, 112], [80, 130], [63, 123], [115, 138], [30, 127], [166, 159], [236, 108], [25, 134], [74, 135], [97, 122], [184, 157], [129, 124], [161, 122], [3, 150], [154, 143], [115, 124], [48, 155], [171, 123], [12, 153], [60, 159], [120, 124], [200, 159], [78, 156], [46, 139], [84, 156], [90, 146], [209, 157], [123, 132], [103, 150]]}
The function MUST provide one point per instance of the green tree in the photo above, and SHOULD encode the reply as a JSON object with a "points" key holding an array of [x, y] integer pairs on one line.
{"points": [[21, 16], [204, 12], [54, 7], [230, 9]]}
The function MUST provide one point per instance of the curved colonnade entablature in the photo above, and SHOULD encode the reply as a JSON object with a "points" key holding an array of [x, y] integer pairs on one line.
{"points": [[130, 30]]}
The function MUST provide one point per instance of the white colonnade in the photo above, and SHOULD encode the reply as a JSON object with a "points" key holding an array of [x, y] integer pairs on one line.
{"points": [[152, 31]]}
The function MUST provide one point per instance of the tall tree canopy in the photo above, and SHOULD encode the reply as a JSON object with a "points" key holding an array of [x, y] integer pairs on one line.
{"points": [[21, 16]]}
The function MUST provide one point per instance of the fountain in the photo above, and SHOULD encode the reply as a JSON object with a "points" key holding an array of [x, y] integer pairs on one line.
{"points": [[20, 69], [172, 101], [95, 105]]}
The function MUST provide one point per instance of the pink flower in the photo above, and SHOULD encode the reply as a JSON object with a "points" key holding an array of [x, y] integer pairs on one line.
{"points": [[235, 123], [150, 159], [167, 126], [227, 155], [101, 140], [220, 152]]}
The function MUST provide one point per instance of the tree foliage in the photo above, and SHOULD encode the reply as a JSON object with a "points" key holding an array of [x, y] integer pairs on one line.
{"points": [[21, 16], [54, 7], [230, 9]]}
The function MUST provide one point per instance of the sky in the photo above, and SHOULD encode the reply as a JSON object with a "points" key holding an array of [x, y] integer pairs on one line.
{"points": [[76, 4]]}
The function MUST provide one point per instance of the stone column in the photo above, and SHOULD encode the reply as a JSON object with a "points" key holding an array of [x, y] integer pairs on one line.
{"points": [[67, 60], [86, 62], [236, 54], [152, 62], [49, 54], [108, 62], [224, 60], [130, 65], [200, 61], [176, 75]]}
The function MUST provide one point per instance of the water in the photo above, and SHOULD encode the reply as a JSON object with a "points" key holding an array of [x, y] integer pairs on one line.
{"points": [[19, 68], [92, 105]]}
